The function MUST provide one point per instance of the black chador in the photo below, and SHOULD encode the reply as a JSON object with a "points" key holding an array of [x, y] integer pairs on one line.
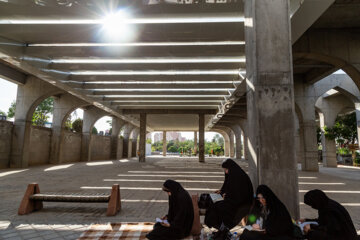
{"points": [[276, 220], [180, 214], [238, 194], [334, 221]]}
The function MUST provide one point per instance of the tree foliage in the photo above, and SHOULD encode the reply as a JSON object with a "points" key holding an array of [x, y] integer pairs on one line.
{"points": [[11, 110], [41, 113], [344, 130], [94, 131], [2, 113], [215, 146], [77, 125]]}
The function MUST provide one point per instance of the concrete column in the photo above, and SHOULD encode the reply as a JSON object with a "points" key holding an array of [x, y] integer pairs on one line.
{"points": [[164, 144], [117, 123], [29, 96], [328, 145], [134, 142], [226, 146], [239, 146], [201, 138], [63, 106], [232, 144], [270, 99], [142, 143], [91, 115], [357, 110], [127, 130], [305, 98], [195, 143], [308, 140]]}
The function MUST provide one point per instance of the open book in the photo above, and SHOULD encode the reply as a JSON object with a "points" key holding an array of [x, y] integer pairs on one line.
{"points": [[215, 197], [302, 225], [162, 221]]}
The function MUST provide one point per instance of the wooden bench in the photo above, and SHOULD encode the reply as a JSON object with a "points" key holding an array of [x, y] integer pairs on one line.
{"points": [[33, 199]]}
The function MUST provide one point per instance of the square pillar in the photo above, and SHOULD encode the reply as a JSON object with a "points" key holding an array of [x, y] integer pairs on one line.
{"points": [[164, 144], [201, 138], [270, 99], [142, 142], [195, 143]]}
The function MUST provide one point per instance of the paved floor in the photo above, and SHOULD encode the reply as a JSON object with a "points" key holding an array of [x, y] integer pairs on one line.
{"points": [[142, 198]]}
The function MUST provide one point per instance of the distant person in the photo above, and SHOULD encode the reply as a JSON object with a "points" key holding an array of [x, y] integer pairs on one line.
{"points": [[334, 221], [180, 217], [275, 222], [237, 192]]}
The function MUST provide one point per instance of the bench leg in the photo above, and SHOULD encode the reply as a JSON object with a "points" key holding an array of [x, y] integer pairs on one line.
{"points": [[27, 206], [114, 203]]}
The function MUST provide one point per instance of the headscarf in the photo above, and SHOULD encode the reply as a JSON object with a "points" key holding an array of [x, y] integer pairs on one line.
{"points": [[278, 221], [316, 199], [237, 185], [181, 211], [330, 209]]}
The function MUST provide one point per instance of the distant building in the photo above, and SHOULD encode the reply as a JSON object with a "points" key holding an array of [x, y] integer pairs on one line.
{"points": [[169, 136]]}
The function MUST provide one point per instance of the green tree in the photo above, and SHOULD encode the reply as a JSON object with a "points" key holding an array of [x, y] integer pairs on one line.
{"points": [[41, 113], [2, 113], [94, 131], [11, 111], [77, 125], [344, 130]]}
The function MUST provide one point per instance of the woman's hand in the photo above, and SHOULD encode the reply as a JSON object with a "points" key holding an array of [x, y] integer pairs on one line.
{"points": [[164, 217], [165, 224], [218, 191], [307, 228], [256, 226]]}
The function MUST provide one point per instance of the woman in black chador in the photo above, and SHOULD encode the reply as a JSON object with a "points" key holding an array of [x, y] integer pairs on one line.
{"points": [[275, 221], [334, 221], [237, 192], [180, 215]]}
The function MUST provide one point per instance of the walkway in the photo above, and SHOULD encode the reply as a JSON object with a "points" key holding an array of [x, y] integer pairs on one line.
{"points": [[142, 198]]}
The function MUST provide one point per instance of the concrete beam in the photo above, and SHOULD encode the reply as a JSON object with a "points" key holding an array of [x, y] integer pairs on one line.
{"points": [[97, 78], [174, 85], [169, 111], [12, 75], [12, 55], [317, 74], [306, 15], [136, 92]]}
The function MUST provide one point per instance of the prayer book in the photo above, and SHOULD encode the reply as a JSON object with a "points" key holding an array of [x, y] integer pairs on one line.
{"points": [[215, 197], [162, 221]]}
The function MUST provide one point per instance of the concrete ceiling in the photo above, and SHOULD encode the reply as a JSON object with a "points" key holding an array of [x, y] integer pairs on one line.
{"points": [[185, 55]]}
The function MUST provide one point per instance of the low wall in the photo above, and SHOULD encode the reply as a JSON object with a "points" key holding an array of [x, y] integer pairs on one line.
{"points": [[100, 147], [40, 143], [6, 129], [71, 147]]}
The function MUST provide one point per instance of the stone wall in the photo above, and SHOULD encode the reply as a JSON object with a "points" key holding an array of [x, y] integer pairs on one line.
{"points": [[71, 147], [100, 148], [5, 143], [40, 142]]}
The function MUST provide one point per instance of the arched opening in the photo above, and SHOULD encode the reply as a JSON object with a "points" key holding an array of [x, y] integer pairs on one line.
{"points": [[74, 121], [337, 109], [100, 143], [8, 92]]}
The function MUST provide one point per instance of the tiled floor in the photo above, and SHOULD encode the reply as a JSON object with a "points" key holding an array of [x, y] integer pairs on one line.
{"points": [[142, 198]]}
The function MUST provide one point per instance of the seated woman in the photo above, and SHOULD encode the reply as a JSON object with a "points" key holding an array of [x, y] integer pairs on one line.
{"points": [[180, 216], [334, 221], [275, 221], [237, 192]]}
